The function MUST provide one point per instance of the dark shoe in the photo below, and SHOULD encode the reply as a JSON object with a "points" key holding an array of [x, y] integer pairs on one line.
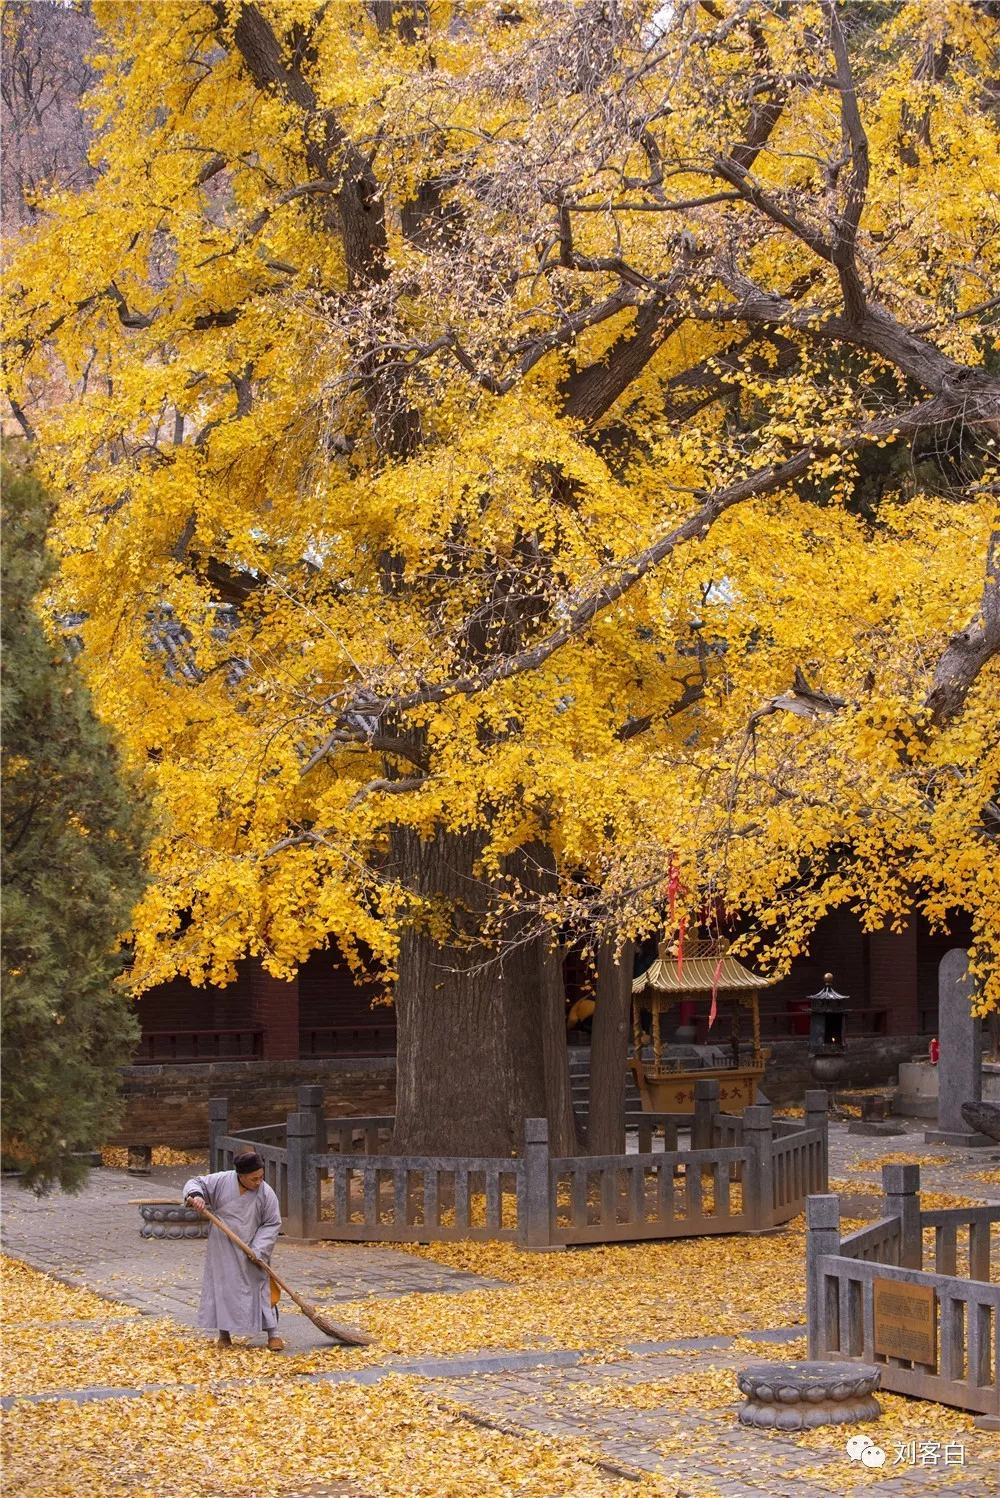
{"points": [[225, 1340]]}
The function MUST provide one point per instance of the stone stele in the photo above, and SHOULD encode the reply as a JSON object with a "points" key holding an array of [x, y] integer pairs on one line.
{"points": [[960, 1069], [802, 1396]]}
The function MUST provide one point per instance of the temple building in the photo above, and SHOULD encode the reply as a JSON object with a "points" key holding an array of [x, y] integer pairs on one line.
{"points": [[891, 978]]}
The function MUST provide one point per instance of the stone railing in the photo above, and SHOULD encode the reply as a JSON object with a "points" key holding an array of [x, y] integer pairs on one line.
{"points": [[962, 1310], [336, 1179]]}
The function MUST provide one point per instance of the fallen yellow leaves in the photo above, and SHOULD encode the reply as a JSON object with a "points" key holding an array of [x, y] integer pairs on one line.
{"points": [[988, 1177], [905, 1420], [705, 1389], [613, 1262], [27, 1295], [42, 1359], [114, 1157], [896, 1157], [391, 1441], [930, 1201], [595, 1298]]}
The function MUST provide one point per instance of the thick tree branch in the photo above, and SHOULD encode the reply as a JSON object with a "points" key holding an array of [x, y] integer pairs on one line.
{"points": [[379, 743], [877, 331], [358, 212], [387, 788], [969, 651], [731, 171], [803, 701], [694, 691], [846, 235]]}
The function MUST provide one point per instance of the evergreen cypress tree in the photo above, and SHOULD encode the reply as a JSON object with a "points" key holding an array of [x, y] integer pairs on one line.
{"points": [[73, 840]]}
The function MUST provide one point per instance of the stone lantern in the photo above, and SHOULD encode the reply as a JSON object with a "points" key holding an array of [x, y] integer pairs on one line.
{"points": [[826, 1032]]}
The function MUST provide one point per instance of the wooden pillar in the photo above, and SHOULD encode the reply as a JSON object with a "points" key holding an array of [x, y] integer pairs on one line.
{"points": [[274, 1008]]}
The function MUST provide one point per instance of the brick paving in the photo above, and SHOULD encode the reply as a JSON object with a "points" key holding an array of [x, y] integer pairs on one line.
{"points": [[710, 1449], [92, 1240], [953, 1172]]}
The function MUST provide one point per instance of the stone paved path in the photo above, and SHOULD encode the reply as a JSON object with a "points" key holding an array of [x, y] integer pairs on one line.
{"points": [[711, 1448], [953, 1172], [93, 1240]]}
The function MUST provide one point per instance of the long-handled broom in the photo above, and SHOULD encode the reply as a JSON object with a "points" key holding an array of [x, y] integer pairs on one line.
{"points": [[348, 1334]]}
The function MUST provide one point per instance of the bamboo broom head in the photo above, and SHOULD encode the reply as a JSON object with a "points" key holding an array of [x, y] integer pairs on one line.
{"points": [[350, 1335]]}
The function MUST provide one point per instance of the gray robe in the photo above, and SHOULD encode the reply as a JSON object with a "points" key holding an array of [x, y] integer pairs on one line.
{"points": [[235, 1295]]}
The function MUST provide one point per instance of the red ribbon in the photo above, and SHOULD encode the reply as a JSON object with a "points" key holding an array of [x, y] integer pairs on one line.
{"points": [[715, 990]]}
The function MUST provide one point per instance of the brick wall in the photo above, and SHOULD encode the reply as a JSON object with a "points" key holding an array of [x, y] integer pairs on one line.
{"points": [[871, 1060], [892, 969], [274, 1008], [178, 1005], [169, 1104]]}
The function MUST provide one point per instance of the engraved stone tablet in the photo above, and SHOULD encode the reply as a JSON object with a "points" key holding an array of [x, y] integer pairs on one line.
{"points": [[905, 1321]]}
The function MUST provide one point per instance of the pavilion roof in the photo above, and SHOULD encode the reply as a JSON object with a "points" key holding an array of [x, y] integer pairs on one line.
{"points": [[698, 971]]}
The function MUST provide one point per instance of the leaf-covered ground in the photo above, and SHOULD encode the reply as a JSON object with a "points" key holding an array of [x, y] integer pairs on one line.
{"points": [[598, 1299], [390, 1441], [280, 1435], [26, 1295]]}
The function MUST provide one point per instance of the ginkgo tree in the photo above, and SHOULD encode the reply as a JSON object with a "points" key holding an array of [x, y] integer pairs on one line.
{"points": [[524, 467]]}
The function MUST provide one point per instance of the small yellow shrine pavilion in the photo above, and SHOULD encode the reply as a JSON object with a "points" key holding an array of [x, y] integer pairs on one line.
{"points": [[667, 1085]]}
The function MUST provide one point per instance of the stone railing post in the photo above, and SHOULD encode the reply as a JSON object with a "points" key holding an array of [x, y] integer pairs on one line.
{"points": [[303, 1207], [818, 1117], [218, 1126], [758, 1178], [706, 1106], [822, 1301], [534, 1230], [311, 1101], [900, 1198]]}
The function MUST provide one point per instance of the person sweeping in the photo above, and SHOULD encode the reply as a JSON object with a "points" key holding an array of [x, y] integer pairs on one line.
{"points": [[236, 1295]]}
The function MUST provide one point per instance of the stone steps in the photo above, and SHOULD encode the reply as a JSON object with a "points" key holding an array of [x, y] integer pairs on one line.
{"points": [[579, 1077]]}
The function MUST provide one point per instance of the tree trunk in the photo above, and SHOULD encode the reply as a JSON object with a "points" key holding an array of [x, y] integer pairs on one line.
{"points": [[468, 1066], [609, 1051], [563, 1140]]}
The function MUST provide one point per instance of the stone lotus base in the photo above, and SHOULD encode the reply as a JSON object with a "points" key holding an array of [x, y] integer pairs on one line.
{"points": [[802, 1396], [172, 1222]]}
